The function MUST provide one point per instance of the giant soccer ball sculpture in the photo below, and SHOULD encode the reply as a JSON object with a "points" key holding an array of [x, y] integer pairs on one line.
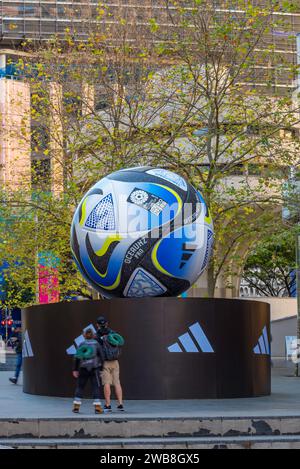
{"points": [[142, 232]]}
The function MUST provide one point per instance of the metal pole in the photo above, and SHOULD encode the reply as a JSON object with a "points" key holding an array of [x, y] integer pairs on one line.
{"points": [[6, 325], [298, 230], [298, 292], [298, 60]]}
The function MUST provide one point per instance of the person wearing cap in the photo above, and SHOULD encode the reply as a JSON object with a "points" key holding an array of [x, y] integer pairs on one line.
{"points": [[110, 374]]}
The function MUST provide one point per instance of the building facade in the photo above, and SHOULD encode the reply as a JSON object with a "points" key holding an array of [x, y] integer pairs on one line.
{"points": [[39, 20]]}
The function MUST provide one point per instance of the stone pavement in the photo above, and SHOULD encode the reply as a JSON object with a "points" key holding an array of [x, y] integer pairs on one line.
{"points": [[10, 360], [285, 401], [262, 423]]}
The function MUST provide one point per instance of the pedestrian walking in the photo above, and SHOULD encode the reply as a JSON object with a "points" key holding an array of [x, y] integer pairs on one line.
{"points": [[17, 343]]}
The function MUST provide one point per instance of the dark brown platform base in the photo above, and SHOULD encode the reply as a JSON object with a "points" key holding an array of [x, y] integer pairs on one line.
{"points": [[175, 348]]}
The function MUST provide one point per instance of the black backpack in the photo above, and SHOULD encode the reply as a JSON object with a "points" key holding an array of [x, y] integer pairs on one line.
{"points": [[111, 352]]}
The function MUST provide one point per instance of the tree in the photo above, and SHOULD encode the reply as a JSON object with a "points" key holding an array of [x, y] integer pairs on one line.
{"points": [[269, 268], [34, 233], [236, 142]]}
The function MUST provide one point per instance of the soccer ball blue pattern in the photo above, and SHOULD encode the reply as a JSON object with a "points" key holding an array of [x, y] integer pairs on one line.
{"points": [[142, 232]]}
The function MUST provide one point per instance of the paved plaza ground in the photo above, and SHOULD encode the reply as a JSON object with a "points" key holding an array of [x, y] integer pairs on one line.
{"points": [[262, 423], [285, 401]]}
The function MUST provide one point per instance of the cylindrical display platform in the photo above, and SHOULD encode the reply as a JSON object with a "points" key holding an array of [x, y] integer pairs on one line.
{"points": [[175, 348]]}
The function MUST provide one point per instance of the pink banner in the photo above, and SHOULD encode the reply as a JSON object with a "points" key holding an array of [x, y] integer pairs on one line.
{"points": [[48, 285]]}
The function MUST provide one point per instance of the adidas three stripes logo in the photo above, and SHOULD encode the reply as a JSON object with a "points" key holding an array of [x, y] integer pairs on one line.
{"points": [[193, 341], [263, 347], [27, 348]]}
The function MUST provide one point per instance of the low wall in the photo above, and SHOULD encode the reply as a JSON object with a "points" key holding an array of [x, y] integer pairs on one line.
{"points": [[175, 348], [280, 307], [279, 330]]}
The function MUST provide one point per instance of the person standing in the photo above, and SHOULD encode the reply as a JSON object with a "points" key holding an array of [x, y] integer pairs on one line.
{"points": [[88, 363], [110, 374], [18, 347]]}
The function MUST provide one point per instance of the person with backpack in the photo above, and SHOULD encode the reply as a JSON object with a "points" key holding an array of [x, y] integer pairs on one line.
{"points": [[111, 344], [89, 361]]}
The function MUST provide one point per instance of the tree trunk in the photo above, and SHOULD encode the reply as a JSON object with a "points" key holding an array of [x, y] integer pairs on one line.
{"points": [[211, 282]]}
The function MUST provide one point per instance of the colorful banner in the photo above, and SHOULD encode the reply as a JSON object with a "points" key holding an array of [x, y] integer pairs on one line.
{"points": [[48, 278]]}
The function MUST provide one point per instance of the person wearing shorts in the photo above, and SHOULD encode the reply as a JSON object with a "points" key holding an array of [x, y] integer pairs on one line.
{"points": [[110, 374]]}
